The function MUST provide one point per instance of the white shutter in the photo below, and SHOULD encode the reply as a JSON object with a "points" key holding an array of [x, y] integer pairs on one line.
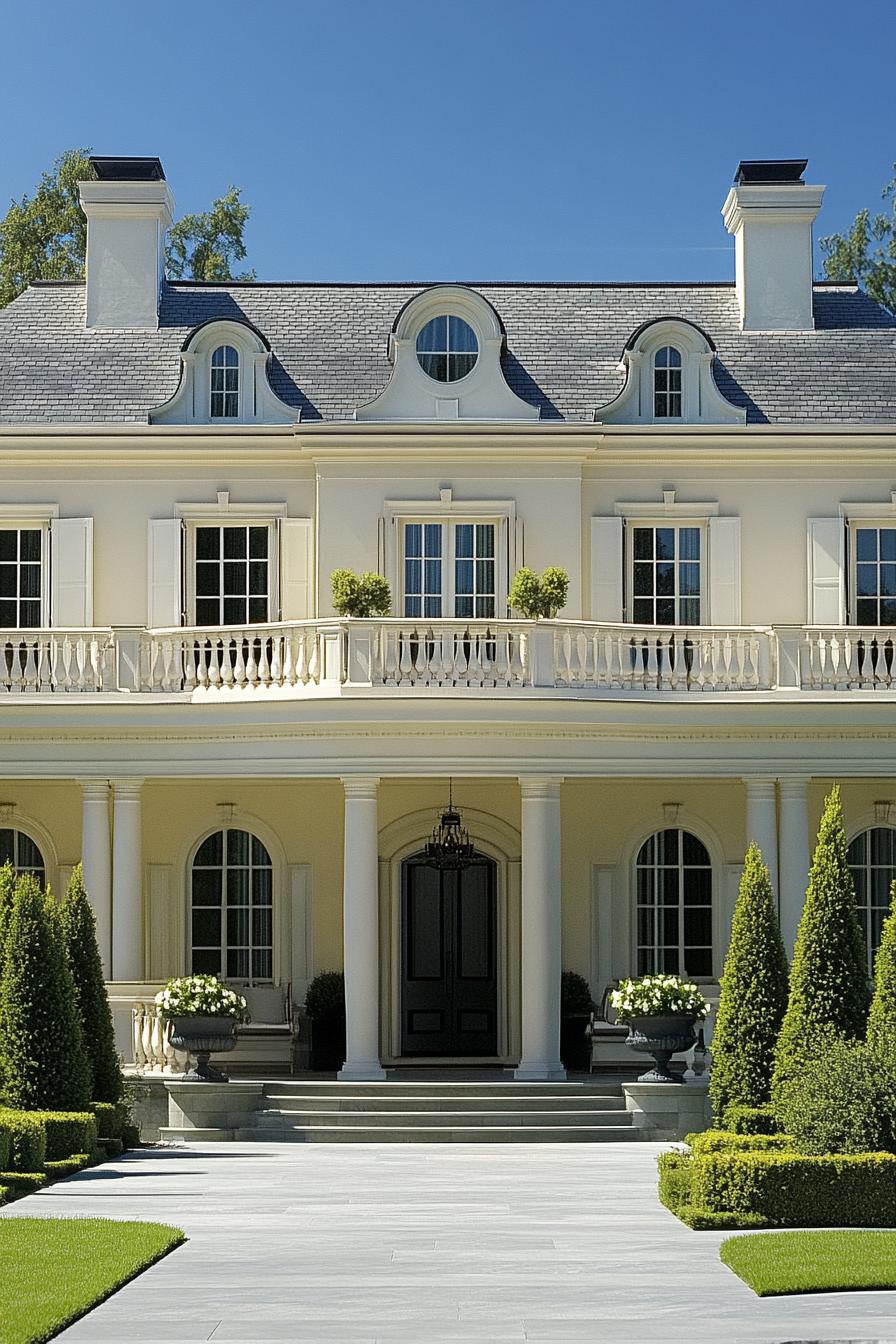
{"points": [[71, 545], [164, 605], [724, 571], [296, 599], [606, 569], [827, 580]]}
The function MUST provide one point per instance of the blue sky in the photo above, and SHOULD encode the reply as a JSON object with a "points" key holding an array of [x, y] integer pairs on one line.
{"points": [[474, 139]]}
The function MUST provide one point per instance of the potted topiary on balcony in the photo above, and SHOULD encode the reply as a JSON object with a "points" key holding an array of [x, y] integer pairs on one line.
{"points": [[660, 1011], [576, 1007], [204, 1016], [325, 1009], [361, 595], [539, 596]]}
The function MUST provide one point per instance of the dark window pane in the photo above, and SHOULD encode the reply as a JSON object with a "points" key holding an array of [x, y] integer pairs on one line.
{"points": [[238, 845], [235, 611], [234, 543], [260, 857], [699, 961], [887, 612], [463, 540], [206, 885], [887, 539], [866, 580], [888, 580], [258, 543], [642, 611], [463, 576], [697, 926], [665, 543], [238, 964], [237, 926], [206, 928], [693, 850], [29, 545], [436, 366], [261, 927], [643, 543], [413, 539], [866, 611], [9, 543], [866, 543], [433, 538], [29, 615], [211, 850], [208, 578], [258, 578], [689, 543], [206, 961], [667, 846], [665, 611], [207, 543], [665, 580], [643, 579], [8, 581], [208, 612]]}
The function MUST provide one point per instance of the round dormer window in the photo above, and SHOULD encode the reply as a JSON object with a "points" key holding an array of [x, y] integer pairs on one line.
{"points": [[447, 349]]}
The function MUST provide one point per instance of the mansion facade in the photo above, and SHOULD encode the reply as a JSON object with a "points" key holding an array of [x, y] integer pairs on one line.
{"points": [[251, 780]]}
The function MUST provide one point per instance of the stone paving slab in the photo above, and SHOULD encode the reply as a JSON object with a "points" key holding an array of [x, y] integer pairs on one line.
{"points": [[441, 1244]]}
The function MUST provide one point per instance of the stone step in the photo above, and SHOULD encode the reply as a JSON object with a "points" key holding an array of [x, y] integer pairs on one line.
{"points": [[432, 1134], [452, 1119], [407, 1090], [386, 1105]]}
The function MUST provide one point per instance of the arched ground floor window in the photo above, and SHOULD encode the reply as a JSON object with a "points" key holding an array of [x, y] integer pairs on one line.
{"points": [[20, 850], [231, 890], [673, 876], [872, 862]]}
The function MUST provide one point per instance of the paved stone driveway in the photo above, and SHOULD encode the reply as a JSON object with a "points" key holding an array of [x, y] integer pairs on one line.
{"points": [[374, 1245]]}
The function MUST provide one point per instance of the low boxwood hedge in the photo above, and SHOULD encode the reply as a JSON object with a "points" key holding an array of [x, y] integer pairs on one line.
{"points": [[68, 1132], [111, 1118], [723, 1141], [5, 1145], [20, 1183], [67, 1166], [751, 1119], [27, 1139]]}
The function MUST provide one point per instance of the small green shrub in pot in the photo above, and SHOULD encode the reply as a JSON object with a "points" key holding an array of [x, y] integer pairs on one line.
{"points": [[360, 595], [576, 1007], [325, 1007], [538, 597]]}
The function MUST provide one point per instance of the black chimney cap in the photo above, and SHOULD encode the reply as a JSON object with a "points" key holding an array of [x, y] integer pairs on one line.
{"points": [[117, 169], [754, 172]]}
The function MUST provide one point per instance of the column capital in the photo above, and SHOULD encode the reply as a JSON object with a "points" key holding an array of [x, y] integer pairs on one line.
{"points": [[94, 789], [794, 786], [361, 786], [546, 787], [128, 786], [760, 783]]}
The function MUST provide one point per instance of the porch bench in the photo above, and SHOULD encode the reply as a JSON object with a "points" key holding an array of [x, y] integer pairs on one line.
{"points": [[270, 1035]]}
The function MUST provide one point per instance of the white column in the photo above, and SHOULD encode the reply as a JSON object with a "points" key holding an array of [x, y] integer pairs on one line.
{"points": [[540, 930], [762, 823], [794, 863], [127, 881], [361, 933], [96, 861]]}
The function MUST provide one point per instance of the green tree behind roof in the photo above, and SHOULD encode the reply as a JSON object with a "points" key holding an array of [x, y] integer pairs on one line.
{"points": [[753, 997], [44, 236], [866, 253], [829, 977]]}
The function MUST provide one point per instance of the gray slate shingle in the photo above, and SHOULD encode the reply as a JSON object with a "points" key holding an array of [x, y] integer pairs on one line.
{"points": [[329, 345]]}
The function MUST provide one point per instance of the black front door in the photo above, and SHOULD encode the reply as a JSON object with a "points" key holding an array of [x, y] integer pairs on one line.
{"points": [[449, 988]]}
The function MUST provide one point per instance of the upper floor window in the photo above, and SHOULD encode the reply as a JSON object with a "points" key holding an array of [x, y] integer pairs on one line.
{"points": [[19, 849], [667, 383], [449, 569], [232, 574], [447, 348], [666, 574], [875, 575], [232, 932], [224, 388], [673, 875], [21, 583], [872, 861]]}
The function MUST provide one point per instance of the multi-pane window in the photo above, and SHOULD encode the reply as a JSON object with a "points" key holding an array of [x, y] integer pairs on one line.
{"points": [[872, 862], [19, 849], [447, 349], [450, 569], [875, 575], [232, 907], [224, 392], [232, 574], [667, 384], [21, 553], [674, 905], [666, 575]]}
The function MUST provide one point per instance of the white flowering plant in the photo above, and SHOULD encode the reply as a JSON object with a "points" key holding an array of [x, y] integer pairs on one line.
{"points": [[658, 996], [200, 996]]}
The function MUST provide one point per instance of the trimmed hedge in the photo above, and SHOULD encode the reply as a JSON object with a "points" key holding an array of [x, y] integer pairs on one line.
{"points": [[704, 1220], [723, 1141], [110, 1118], [751, 1120], [792, 1190], [847, 1104], [68, 1132], [5, 1145], [27, 1140], [19, 1183], [57, 1171]]}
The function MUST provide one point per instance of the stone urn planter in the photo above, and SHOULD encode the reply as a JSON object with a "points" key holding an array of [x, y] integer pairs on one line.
{"points": [[661, 1037], [203, 1036]]}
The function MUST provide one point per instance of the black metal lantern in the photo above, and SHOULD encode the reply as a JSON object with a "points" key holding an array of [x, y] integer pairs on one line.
{"points": [[449, 846]]}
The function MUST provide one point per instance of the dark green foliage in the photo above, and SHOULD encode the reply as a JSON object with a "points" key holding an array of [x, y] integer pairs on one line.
{"points": [[845, 1102], [205, 246], [112, 1147], [5, 1145], [751, 1120], [753, 997], [44, 1066], [704, 1220], [675, 1179], [882, 1014], [325, 997], [828, 979], [723, 1141], [68, 1133], [67, 1166], [793, 1190], [19, 1183], [854, 257], [130, 1135], [79, 931], [535, 596], [360, 595], [110, 1119], [575, 993], [7, 891], [27, 1140]]}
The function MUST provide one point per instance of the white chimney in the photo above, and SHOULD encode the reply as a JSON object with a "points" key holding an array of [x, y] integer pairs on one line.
{"points": [[129, 209], [770, 210]]}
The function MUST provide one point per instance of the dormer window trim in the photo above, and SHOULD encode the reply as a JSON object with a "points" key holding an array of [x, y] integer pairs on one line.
{"points": [[194, 400], [700, 400]]}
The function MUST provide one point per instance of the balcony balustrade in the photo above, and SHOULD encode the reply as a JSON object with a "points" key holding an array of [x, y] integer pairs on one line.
{"points": [[333, 657]]}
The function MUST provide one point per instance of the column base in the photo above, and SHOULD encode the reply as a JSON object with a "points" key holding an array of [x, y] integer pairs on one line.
{"points": [[362, 1072], [538, 1071]]}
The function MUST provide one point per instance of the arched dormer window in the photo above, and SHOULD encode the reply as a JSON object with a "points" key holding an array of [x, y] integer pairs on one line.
{"points": [[224, 384], [225, 365], [668, 367], [667, 383]]}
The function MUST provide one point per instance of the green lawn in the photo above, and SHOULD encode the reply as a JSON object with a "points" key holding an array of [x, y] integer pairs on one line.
{"points": [[53, 1270], [772, 1263]]}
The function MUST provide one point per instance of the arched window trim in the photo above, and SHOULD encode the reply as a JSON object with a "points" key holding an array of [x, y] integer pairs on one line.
{"points": [[668, 392], [21, 833], [865, 907], [274, 867], [701, 400], [647, 960], [191, 401]]}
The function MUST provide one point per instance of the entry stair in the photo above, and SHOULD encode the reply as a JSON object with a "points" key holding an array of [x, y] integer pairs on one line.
{"points": [[441, 1112]]}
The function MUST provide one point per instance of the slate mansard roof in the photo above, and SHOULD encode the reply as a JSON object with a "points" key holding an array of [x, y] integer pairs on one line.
{"points": [[329, 344]]}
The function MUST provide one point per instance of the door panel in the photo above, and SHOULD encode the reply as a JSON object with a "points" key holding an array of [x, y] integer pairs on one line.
{"points": [[449, 990]]}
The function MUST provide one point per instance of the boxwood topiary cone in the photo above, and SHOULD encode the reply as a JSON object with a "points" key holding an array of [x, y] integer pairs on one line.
{"points": [[828, 978], [40, 1029], [753, 997], [79, 932], [882, 1015]]}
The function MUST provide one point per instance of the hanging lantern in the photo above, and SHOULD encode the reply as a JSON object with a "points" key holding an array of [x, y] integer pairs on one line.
{"points": [[449, 846]]}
